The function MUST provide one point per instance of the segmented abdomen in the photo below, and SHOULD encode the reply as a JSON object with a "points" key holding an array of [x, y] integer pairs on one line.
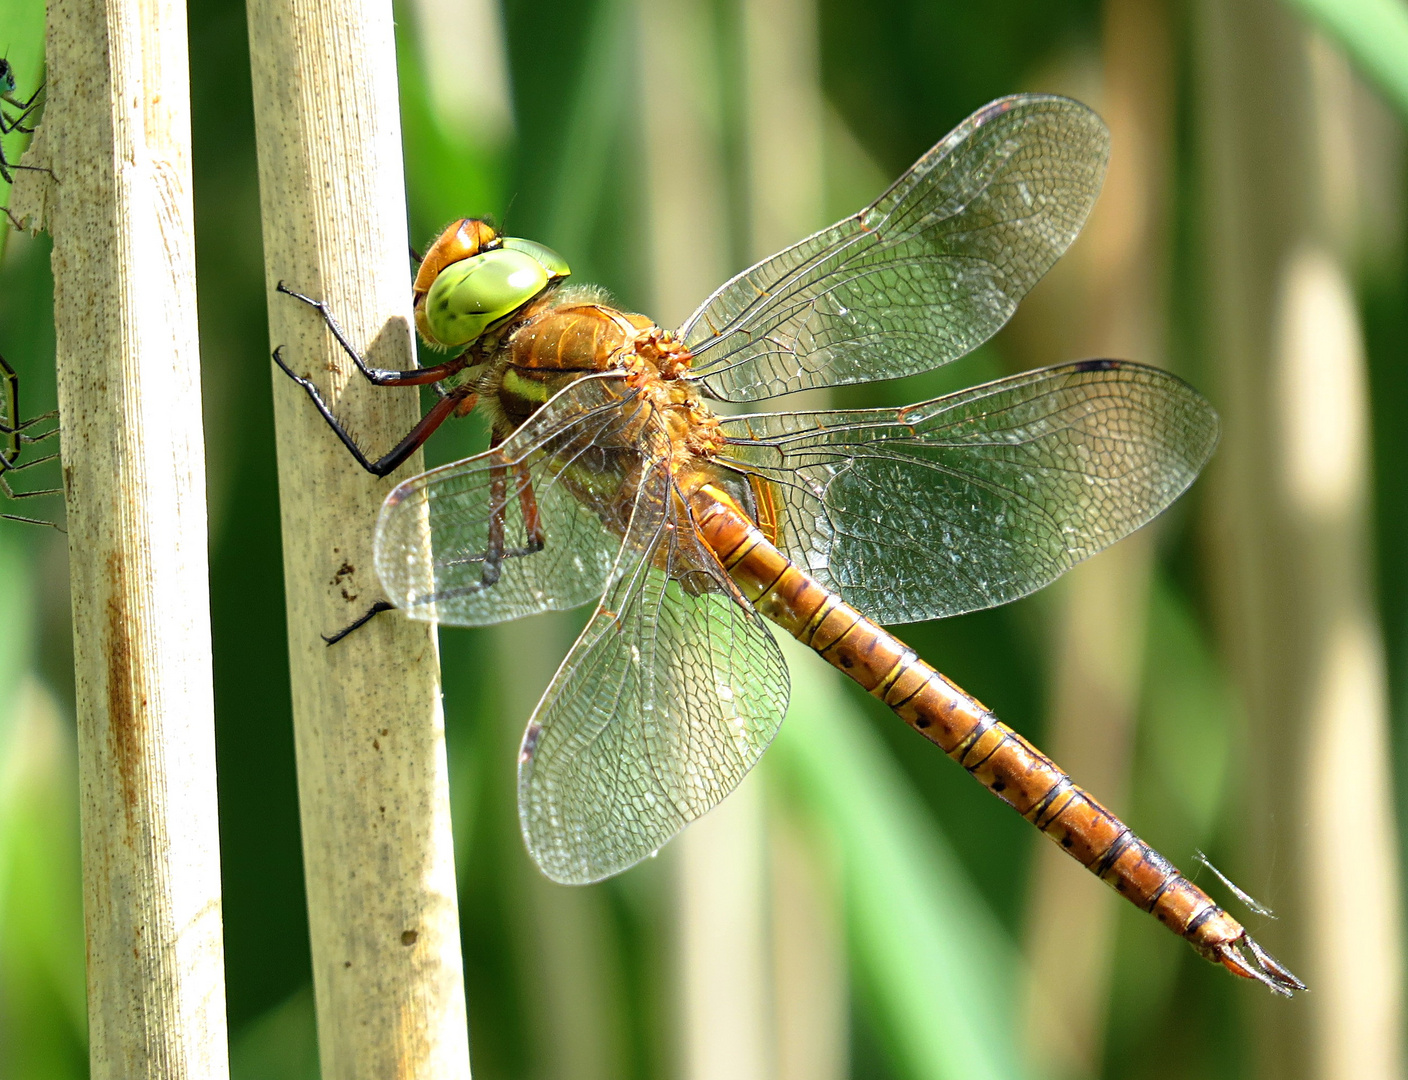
{"points": [[999, 758]]}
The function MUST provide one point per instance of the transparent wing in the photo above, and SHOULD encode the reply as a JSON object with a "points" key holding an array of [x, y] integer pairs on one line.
{"points": [[456, 544], [934, 268], [977, 498], [673, 691]]}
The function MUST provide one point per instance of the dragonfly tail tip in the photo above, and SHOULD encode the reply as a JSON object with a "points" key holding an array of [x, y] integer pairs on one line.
{"points": [[1246, 957]]}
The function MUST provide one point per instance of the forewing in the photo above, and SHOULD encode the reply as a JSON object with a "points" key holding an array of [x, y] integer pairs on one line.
{"points": [[668, 698], [576, 459], [977, 498], [934, 268]]}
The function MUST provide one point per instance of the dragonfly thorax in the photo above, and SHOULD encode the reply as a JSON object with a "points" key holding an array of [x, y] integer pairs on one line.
{"points": [[570, 332]]}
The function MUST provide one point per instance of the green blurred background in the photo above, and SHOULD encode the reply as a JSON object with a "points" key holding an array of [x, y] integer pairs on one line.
{"points": [[1232, 680]]}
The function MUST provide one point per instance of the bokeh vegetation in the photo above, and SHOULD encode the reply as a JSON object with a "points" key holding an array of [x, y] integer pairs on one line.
{"points": [[902, 916]]}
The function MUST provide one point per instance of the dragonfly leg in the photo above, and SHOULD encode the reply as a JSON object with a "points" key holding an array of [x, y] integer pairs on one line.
{"points": [[393, 458], [498, 505], [379, 376], [359, 622], [495, 549], [528, 503], [495, 553]]}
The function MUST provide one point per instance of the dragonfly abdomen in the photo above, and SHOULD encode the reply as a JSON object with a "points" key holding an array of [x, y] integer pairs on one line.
{"points": [[999, 758]]}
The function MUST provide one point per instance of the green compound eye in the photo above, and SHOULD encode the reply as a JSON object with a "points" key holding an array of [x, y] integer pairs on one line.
{"points": [[551, 261], [469, 295]]}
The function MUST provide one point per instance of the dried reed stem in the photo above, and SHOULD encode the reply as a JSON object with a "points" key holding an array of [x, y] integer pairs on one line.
{"points": [[117, 136], [369, 732]]}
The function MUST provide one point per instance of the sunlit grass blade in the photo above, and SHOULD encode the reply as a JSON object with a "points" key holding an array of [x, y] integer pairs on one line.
{"points": [[42, 1013], [935, 965], [1375, 34]]}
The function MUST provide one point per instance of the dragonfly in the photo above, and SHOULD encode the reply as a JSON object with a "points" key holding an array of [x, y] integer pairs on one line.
{"points": [[15, 436], [610, 479]]}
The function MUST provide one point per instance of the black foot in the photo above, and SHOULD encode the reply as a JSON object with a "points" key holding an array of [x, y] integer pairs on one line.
{"points": [[375, 610]]}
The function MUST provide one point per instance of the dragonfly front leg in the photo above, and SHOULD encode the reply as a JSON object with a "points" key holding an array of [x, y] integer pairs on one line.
{"points": [[457, 402], [379, 376]]}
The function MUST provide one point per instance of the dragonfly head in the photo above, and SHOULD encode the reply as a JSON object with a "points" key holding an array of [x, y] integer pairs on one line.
{"points": [[472, 277], [7, 78]]}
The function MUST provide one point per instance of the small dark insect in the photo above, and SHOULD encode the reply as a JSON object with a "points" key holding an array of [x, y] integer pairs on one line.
{"points": [[23, 121], [15, 435]]}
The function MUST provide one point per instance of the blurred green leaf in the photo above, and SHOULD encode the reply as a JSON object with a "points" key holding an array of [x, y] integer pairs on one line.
{"points": [[42, 1014], [938, 969], [282, 1044], [1375, 35]]}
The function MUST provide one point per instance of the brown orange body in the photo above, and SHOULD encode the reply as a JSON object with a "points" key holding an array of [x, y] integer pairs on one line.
{"points": [[556, 341], [999, 758], [561, 337]]}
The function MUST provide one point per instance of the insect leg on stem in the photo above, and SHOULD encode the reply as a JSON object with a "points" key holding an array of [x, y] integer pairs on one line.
{"points": [[19, 122], [15, 435], [460, 399], [379, 376], [495, 551]]}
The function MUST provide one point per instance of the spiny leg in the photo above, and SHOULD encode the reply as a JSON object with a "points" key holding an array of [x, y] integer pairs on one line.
{"points": [[22, 430], [528, 504], [10, 493], [379, 376], [397, 455], [6, 465], [361, 621], [11, 379], [495, 552], [31, 521], [18, 439], [16, 434], [10, 123], [8, 96], [18, 122], [6, 165]]}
